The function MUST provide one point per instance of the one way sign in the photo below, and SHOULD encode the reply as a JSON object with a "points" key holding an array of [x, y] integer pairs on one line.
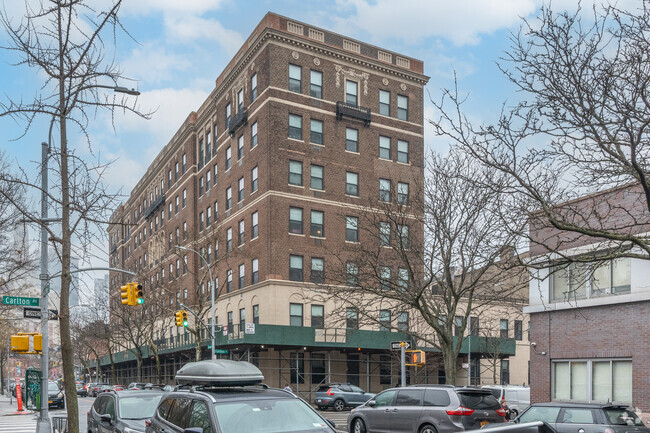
{"points": [[396, 345]]}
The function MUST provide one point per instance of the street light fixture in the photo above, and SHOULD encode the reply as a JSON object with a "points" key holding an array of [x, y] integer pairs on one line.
{"points": [[213, 355]]}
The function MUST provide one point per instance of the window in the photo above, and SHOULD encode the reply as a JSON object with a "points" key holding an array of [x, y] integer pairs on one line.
{"points": [[295, 268], [184, 162], [253, 135], [384, 147], [519, 330], [255, 277], [384, 103], [384, 190], [253, 179], [169, 179], [216, 210], [316, 84], [351, 229], [295, 220], [403, 234], [351, 183], [229, 239], [254, 225], [253, 87], [240, 147], [241, 283], [474, 325], [402, 107], [242, 233], [317, 224], [458, 324], [229, 285], [295, 173], [184, 198], [201, 221], [403, 321], [316, 177], [228, 115], [352, 274], [610, 380], [295, 314], [403, 193], [200, 163], [208, 176], [294, 78], [384, 278], [503, 328], [240, 189], [569, 282], [351, 318], [317, 270], [256, 313], [384, 234], [611, 277], [184, 265], [384, 320], [351, 92], [208, 148], [352, 140], [240, 100], [176, 172], [318, 316], [318, 368], [402, 151], [403, 279], [228, 198], [214, 175], [228, 157], [184, 230], [169, 211], [295, 126], [201, 183], [316, 131]]}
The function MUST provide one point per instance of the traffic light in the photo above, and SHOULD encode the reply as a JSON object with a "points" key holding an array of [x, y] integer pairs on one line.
{"points": [[20, 343], [184, 317], [38, 343], [415, 358], [126, 294], [181, 318], [138, 295]]}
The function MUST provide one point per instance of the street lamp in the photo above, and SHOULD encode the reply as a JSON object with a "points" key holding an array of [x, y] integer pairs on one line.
{"points": [[213, 356]]}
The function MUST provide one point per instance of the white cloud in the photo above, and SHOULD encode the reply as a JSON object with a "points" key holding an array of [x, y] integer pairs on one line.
{"points": [[146, 7], [154, 64], [187, 28], [461, 21]]}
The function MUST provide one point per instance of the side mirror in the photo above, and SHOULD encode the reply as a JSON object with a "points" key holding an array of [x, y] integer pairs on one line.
{"points": [[331, 423], [371, 403], [106, 418], [193, 430]]}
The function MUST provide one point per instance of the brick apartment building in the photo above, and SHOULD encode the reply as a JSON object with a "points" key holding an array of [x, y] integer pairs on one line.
{"points": [[265, 180], [589, 333]]}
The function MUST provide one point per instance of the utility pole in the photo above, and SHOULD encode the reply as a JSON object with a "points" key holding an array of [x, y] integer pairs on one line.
{"points": [[469, 350], [44, 425], [402, 349]]}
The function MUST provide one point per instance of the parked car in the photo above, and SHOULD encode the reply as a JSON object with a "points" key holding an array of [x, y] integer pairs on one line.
{"points": [[118, 388], [517, 398], [55, 395], [427, 409], [135, 386], [340, 395], [104, 388], [226, 396], [567, 417], [81, 389], [122, 412], [95, 388]]}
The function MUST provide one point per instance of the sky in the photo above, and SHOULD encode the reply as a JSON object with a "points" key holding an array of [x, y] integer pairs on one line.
{"points": [[179, 48]]}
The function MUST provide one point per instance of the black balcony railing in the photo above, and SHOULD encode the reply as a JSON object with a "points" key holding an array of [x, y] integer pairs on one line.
{"points": [[353, 111], [155, 205], [239, 119]]}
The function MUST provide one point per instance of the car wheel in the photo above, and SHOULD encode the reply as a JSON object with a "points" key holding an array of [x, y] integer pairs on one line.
{"points": [[427, 428], [339, 405], [358, 426]]}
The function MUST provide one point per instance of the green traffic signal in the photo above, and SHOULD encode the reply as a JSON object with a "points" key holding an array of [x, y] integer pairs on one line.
{"points": [[140, 300], [184, 322]]}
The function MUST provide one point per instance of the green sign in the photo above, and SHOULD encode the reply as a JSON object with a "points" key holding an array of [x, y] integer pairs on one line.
{"points": [[23, 302], [220, 351], [33, 385]]}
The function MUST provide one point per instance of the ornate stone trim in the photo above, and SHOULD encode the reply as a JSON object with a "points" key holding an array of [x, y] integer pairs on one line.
{"points": [[351, 73]]}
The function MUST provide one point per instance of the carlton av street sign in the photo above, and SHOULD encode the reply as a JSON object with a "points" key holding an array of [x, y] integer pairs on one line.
{"points": [[23, 302]]}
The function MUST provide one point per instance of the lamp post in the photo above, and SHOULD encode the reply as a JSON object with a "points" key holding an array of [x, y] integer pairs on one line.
{"points": [[213, 356], [43, 423]]}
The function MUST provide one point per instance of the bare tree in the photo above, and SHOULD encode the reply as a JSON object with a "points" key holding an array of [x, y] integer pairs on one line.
{"points": [[575, 148], [65, 40], [435, 253]]}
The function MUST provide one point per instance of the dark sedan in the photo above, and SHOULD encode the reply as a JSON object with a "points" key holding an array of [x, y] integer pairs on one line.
{"points": [[55, 396]]}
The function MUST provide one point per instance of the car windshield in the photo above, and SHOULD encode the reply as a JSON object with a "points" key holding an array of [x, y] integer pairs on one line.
{"points": [[478, 400], [138, 407], [52, 387], [622, 416], [268, 416]]}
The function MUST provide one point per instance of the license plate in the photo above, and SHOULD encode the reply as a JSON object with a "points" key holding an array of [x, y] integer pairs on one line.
{"points": [[482, 423]]}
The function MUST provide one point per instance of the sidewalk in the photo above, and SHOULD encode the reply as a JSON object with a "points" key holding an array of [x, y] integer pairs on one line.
{"points": [[6, 409]]}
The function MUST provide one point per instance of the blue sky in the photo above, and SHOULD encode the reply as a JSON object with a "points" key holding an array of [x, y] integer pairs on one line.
{"points": [[182, 46]]}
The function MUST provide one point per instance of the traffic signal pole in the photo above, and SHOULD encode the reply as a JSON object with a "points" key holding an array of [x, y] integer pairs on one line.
{"points": [[43, 424], [402, 350]]}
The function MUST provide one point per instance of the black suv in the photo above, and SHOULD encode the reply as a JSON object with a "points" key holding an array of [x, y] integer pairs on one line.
{"points": [[122, 411], [226, 396]]}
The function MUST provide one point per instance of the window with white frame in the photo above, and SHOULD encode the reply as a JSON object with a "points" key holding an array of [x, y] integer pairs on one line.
{"points": [[384, 190], [402, 151], [253, 87], [228, 161], [402, 107], [295, 78], [352, 183], [384, 147], [253, 179], [352, 140], [316, 131], [351, 92], [592, 380], [253, 135], [240, 147], [295, 173], [254, 225], [384, 102], [316, 84], [255, 271], [295, 126]]}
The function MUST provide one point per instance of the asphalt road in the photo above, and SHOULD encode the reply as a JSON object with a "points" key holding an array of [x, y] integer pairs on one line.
{"points": [[84, 406]]}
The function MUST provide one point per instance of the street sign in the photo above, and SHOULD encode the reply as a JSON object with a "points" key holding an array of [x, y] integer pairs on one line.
{"points": [[250, 328], [396, 345], [35, 313], [17, 300], [220, 351]]}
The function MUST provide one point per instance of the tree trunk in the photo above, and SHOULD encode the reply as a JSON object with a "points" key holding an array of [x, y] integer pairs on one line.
{"points": [[449, 359], [138, 357], [113, 372], [197, 347]]}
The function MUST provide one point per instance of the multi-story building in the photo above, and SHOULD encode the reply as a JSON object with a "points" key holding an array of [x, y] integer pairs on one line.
{"points": [[265, 181], [589, 336]]}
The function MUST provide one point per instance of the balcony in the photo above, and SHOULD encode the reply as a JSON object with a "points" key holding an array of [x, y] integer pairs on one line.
{"points": [[159, 201], [239, 119], [353, 112]]}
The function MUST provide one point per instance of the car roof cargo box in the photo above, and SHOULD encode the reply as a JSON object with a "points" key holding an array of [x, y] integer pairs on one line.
{"points": [[221, 372]]}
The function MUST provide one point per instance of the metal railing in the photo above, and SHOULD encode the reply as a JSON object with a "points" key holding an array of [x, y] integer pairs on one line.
{"points": [[353, 111], [59, 424]]}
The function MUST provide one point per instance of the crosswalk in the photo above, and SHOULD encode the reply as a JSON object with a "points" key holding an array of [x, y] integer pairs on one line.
{"points": [[17, 424], [339, 418]]}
